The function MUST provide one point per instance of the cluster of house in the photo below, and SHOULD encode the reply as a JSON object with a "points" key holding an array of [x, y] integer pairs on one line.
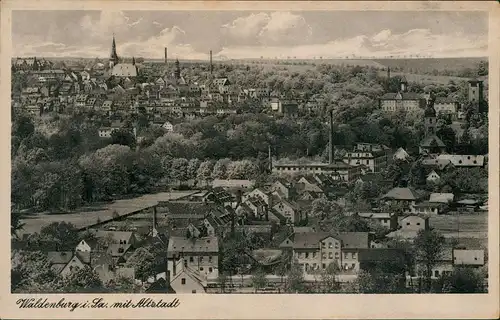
{"points": [[411, 101]]}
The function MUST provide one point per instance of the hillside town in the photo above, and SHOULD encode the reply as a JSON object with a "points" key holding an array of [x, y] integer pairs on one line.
{"points": [[186, 177]]}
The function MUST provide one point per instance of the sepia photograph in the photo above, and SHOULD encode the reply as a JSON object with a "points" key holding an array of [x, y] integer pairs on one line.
{"points": [[256, 151]]}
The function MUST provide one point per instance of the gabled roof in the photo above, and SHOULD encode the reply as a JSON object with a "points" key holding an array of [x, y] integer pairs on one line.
{"points": [[183, 244], [402, 96], [115, 235], [59, 257], [380, 254], [432, 141], [100, 258], [441, 197], [354, 240], [118, 250], [401, 194], [310, 240]]}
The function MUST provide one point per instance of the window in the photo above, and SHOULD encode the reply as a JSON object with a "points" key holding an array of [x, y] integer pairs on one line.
{"points": [[336, 245], [336, 254], [323, 266], [194, 291], [210, 269], [307, 255], [210, 259], [407, 223], [183, 281], [436, 273], [345, 255], [201, 259], [314, 255], [191, 259], [354, 255], [353, 265], [323, 256], [367, 161], [330, 255], [330, 245], [323, 244], [418, 223], [201, 268]]}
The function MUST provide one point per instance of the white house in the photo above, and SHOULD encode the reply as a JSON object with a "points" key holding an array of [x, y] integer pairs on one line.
{"points": [[401, 154], [433, 177]]}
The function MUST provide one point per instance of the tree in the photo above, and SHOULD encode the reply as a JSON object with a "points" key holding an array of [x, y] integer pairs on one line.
{"points": [[143, 262], [192, 169], [259, 280], [30, 272], [64, 234], [123, 285], [83, 280], [123, 137], [204, 171], [429, 249], [328, 278], [295, 279], [220, 169], [179, 169], [464, 280], [15, 223]]}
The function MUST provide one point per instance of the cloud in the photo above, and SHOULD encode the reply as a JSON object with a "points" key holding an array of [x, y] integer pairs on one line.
{"points": [[382, 44], [277, 28]]}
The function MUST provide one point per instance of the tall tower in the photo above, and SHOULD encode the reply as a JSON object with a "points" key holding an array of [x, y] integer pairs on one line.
{"points": [[475, 94], [403, 84], [113, 58], [430, 119], [211, 65], [177, 73], [165, 56]]}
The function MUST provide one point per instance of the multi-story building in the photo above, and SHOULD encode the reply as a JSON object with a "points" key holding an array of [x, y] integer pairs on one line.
{"points": [[374, 157], [200, 255], [338, 170], [316, 250], [408, 101]]}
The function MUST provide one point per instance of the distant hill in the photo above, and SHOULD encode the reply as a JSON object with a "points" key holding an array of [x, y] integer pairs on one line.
{"points": [[427, 65]]}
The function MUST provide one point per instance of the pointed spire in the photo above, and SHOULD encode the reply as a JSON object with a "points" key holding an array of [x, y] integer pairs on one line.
{"points": [[113, 56], [133, 61]]}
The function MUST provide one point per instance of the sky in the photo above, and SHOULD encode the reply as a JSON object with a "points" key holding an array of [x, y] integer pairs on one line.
{"points": [[246, 34]]}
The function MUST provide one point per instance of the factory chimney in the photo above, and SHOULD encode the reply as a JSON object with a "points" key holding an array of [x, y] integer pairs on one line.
{"points": [[165, 55], [211, 65], [270, 159], [331, 151]]}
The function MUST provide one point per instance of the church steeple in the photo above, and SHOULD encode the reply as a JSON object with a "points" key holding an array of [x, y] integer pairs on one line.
{"points": [[113, 59]]}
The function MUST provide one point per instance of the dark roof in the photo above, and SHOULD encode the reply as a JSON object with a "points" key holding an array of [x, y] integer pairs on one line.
{"points": [[57, 257], [354, 240], [100, 258], [404, 96], [401, 194], [160, 286], [432, 141], [380, 254], [309, 240]]}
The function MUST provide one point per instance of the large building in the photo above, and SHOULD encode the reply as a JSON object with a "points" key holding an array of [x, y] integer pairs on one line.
{"points": [[401, 100], [431, 143], [375, 157], [117, 67]]}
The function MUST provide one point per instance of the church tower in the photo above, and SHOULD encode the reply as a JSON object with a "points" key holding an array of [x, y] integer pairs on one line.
{"points": [[430, 118], [113, 58]]}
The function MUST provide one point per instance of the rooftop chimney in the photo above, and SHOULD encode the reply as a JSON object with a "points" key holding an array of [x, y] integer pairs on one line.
{"points": [[211, 66], [165, 55], [331, 148]]}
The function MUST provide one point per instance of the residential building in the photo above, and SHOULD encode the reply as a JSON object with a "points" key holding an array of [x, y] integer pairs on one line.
{"points": [[338, 170], [463, 161], [316, 250], [183, 279], [408, 101], [200, 255], [468, 257], [372, 156], [444, 198], [433, 177], [401, 196], [401, 155], [447, 106]]}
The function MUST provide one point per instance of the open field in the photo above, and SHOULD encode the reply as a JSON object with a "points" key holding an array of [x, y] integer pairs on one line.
{"points": [[82, 219], [430, 64], [424, 78]]}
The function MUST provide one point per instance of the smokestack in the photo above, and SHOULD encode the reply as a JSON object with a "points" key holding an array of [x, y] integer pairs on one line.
{"points": [[331, 151], [211, 65], [388, 73], [165, 55]]}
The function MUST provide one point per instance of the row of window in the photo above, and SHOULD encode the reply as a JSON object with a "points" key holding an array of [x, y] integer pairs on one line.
{"points": [[200, 259]]}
